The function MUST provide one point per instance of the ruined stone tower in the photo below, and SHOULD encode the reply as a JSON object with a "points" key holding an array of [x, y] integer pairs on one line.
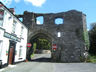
{"points": [[71, 44]]}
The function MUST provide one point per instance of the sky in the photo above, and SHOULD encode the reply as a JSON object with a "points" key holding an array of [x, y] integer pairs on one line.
{"points": [[88, 7]]}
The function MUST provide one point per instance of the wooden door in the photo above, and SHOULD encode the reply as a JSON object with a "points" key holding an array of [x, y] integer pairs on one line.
{"points": [[11, 55]]}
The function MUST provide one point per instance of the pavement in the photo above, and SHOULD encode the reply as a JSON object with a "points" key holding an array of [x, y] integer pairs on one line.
{"points": [[47, 66]]}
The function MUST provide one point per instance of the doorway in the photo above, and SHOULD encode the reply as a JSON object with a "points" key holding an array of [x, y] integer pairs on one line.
{"points": [[11, 54]]}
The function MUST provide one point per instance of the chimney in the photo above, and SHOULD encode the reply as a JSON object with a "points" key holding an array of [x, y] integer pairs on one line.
{"points": [[1, 5], [12, 10]]}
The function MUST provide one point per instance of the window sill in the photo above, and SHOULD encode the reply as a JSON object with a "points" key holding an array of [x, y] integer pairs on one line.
{"points": [[20, 58]]}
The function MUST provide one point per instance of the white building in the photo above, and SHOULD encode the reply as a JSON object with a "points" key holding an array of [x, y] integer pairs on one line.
{"points": [[13, 37]]}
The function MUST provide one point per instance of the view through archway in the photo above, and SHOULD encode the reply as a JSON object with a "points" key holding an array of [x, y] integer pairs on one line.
{"points": [[41, 48]]}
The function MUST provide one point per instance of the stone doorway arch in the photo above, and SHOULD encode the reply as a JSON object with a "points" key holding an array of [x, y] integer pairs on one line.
{"points": [[39, 34]]}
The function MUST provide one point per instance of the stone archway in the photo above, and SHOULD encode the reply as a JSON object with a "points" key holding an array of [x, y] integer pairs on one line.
{"points": [[41, 34]]}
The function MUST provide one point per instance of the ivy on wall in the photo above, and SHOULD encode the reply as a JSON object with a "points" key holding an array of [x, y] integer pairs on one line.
{"points": [[86, 39]]}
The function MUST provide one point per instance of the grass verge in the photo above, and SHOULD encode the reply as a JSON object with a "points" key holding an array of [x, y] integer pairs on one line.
{"points": [[91, 59]]}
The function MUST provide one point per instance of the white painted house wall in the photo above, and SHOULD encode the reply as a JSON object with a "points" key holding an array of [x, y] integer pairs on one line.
{"points": [[1, 41], [22, 43], [8, 25]]}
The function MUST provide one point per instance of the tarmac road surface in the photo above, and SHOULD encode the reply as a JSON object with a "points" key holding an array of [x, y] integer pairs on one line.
{"points": [[46, 66]]}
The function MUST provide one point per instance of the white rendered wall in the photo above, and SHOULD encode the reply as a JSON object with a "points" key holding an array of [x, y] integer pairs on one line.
{"points": [[7, 25], [1, 42], [23, 43], [5, 48]]}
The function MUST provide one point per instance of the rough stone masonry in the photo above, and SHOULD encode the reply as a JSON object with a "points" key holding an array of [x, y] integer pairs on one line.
{"points": [[71, 44]]}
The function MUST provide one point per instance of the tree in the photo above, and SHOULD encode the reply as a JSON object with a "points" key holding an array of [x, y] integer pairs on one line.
{"points": [[92, 36], [44, 44]]}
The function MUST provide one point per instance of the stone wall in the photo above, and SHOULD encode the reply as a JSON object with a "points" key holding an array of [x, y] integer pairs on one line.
{"points": [[71, 44]]}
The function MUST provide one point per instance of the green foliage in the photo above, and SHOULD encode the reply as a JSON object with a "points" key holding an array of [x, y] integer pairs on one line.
{"points": [[92, 34], [93, 25], [86, 38], [34, 49], [32, 55], [43, 44], [91, 59], [82, 59]]}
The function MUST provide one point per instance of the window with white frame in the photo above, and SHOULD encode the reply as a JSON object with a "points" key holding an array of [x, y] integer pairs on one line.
{"points": [[20, 52], [1, 44], [14, 26], [1, 16], [10, 17], [22, 29]]}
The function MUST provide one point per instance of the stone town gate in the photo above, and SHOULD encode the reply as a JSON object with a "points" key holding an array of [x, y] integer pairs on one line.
{"points": [[70, 44]]}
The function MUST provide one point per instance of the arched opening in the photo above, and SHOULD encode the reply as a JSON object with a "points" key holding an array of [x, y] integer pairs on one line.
{"points": [[41, 48]]}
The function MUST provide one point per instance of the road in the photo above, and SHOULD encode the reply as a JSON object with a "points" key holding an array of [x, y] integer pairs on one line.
{"points": [[39, 66]]}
